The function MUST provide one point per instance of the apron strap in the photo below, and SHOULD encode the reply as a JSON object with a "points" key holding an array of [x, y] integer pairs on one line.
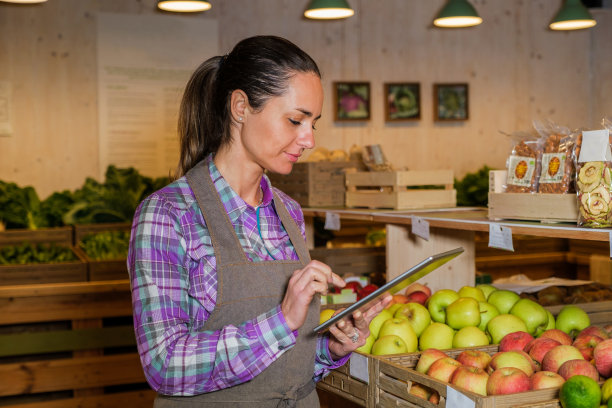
{"points": [[293, 231]]}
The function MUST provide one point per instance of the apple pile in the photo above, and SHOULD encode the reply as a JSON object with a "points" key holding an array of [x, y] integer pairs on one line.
{"points": [[470, 317], [524, 362]]}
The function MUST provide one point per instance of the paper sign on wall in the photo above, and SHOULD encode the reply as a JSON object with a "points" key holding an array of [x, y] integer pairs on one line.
{"points": [[359, 367], [500, 237], [420, 227]]}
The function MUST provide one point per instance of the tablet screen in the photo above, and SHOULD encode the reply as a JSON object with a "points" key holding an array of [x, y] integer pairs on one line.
{"points": [[394, 286]]}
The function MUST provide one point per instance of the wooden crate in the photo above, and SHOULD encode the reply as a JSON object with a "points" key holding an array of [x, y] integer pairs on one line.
{"points": [[102, 270], [395, 375], [70, 345], [369, 261], [75, 271], [399, 189], [531, 207], [600, 313], [315, 184], [60, 235]]}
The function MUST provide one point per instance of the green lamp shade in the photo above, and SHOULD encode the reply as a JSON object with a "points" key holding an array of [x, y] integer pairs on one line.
{"points": [[572, 16], [183, 6], [457, 13], [328, 9]]}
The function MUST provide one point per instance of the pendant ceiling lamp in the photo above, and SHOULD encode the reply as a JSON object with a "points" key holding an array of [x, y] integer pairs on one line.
{"points": [[457, 13], [328, 9], [572, 16], [184, 6]]}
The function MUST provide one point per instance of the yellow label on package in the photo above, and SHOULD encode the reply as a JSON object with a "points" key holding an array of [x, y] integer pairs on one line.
{"points": [[520, 170], [553, 167]]}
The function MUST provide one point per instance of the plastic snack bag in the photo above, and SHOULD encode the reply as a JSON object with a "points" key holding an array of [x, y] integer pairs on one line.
{"points": [[557, 163], [594, 179], [523, 164], [375, 159]]}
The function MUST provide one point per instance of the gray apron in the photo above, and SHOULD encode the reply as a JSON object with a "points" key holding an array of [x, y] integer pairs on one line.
{"points": [[245, 290]]}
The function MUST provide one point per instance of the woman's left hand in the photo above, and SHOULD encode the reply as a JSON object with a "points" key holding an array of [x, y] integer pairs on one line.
{"points": [[356, 328]]}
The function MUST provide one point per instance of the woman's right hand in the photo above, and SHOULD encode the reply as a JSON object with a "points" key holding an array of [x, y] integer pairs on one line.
{"points": [[303, 285]]}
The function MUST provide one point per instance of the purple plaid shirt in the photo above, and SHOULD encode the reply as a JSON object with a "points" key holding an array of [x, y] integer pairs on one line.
{"points": [[174, 289]]}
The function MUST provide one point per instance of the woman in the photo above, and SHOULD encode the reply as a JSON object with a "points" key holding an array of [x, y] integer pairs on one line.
{"points": [[224, 293]]}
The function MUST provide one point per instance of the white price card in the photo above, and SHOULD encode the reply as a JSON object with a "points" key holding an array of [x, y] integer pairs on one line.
{"points": [[420, 227], [500, 237], [358, 367], [332, 221], [456, 399], [610, 244]]}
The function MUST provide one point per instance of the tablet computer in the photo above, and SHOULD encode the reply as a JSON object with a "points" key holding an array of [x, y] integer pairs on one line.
{"points": [[395, 285]]}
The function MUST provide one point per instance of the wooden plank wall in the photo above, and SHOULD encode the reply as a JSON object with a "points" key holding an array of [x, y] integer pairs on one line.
{"points": [[517, 70]]}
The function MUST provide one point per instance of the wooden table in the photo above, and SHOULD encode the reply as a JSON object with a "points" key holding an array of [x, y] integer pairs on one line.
{"points": [[449, 228]]}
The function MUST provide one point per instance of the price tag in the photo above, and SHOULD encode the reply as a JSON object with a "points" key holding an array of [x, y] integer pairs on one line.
{"points": [[456, 399], [420, 227], [500, 237], [359, 367], [610, 244], [332, 221]]}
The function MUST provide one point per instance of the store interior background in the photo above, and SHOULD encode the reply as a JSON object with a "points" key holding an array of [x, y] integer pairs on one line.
{"points": [[517, 70]]}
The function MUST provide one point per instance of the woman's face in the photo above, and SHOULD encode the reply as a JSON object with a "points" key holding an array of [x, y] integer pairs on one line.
{"points": [[276, 136]]}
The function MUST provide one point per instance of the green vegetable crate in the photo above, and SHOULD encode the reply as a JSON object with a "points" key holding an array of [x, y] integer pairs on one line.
{"points": [[39, 256], [104, 247]]}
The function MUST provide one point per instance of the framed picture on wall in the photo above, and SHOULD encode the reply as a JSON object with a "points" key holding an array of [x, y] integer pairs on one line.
{"points": [[450, 102], [351, 101], [402, 101]]}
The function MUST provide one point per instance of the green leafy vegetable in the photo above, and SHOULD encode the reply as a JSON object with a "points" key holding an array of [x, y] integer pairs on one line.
{"points": [[28, 253], [108, 245], [20, 207], [473, 189]]}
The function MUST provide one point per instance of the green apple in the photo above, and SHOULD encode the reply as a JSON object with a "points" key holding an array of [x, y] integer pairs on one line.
{"points": [[402, 329], [463, 312], [367, 347], [393, 308], [436, 335], [533, 314], [472, 292], [416, 314], [486, 289], [549, 325], [503, 300], [439, 301], [503, 324], [378, 321], [487, 312], [572, 319], [470, 336], [390, 344]]}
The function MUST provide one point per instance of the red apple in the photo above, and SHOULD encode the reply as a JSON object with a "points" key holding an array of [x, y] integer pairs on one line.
{"points": [[471, 378], [354, 286], [517, 359], [546, 379], [578, 367], [427, 358], [420, 391], [603, 358], [474, 358], [443, 369], [586, 344], [540, 346], [559, 355], [399, 298], [559, 335], [367, 289], [418, 297], [515, 341], [416, 286], [608, 329], [434, 398], [507, 380], [595, 331]]}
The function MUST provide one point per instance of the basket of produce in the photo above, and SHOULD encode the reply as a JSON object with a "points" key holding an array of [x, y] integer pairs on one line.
{"points": [[105, 247]]}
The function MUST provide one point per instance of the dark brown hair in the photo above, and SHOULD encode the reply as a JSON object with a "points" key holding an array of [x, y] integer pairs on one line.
{"points": [[260, 66]]}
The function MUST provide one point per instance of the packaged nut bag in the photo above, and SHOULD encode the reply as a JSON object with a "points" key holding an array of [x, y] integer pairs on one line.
{"points": [[375, 159], [523, 164], [594, 179], [557, 163]]}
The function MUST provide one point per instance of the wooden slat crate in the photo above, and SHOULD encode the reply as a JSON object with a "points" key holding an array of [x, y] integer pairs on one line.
{"points": [[600, 313], [69, 345], [60, 235], [315, 184], [75, 271], [102, 270], [399, 189], [369, 261], [533, 207], [396, 374]]}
